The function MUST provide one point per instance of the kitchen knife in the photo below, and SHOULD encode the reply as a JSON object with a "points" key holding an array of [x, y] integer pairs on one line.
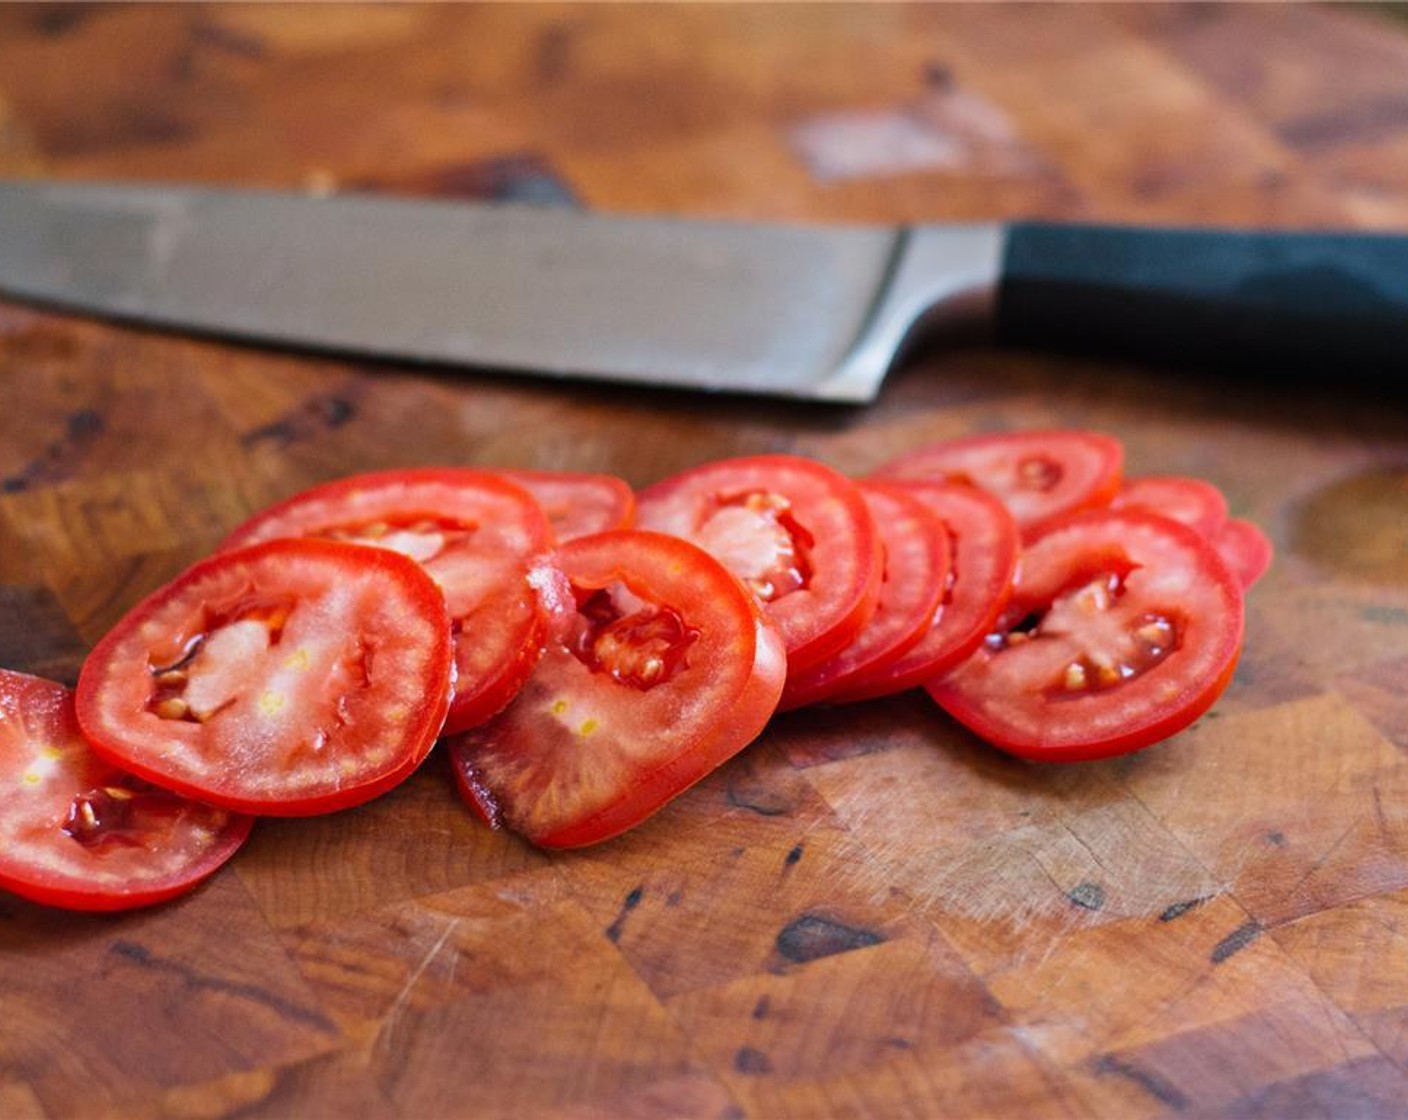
{"points": [[803, 311]]}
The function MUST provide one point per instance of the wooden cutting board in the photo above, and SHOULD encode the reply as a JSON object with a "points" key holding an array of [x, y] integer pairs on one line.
{"points": [[868, 913]]}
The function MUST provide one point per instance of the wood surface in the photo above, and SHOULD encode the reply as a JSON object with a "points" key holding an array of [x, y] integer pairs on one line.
{"points": [[868, 913]]}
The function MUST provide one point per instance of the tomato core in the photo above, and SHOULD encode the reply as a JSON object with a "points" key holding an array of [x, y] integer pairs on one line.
{"points": [[209, 673], [116, 813], [642, 649], [1112, 648], [759, 538]]}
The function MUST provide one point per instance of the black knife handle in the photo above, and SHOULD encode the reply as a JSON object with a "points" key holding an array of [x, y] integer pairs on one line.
{"points": [[1313, 304]]}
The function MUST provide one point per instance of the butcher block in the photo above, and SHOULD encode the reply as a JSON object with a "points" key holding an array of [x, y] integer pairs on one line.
{"points": [[867, 912]]}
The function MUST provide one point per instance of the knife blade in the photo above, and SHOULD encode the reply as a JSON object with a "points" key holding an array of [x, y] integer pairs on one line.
{"points": [[815, 312]]}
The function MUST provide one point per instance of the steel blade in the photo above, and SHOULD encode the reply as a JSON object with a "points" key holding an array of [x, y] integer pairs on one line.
{"points": [[717, 305]]}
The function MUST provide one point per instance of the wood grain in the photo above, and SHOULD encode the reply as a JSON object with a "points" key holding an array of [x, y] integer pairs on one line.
{"points": [[868, 913]]}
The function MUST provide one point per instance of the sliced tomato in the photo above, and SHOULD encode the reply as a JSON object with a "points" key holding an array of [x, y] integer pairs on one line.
{"points": [[577, 503], [1246, 549], [287, 678], [798, 534], [1198, 504], [1124, 627], [915, 576], [983, 543], [474, 532], [660, 666], [78, 833], [1041, 476]]}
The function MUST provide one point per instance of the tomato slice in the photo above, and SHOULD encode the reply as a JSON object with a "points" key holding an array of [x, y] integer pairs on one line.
{"points": [[578, 504], [473, 531], [1123, 628], [659, 667], [1245, 548], [78, 833], [983, 542], [1041, 476], [1198, 504], [798, 534], [915, 576], [288, 678]]}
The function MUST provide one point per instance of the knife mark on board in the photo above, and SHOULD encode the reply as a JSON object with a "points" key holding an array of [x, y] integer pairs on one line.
{"points": [[56, 461], [752, 1061], [143, 957], [1088, 896], [55, 20], [1161, 1090], [811, 936], [324, 413], [1235, 941], [629, 903], [1176, 910], [221, 37]]}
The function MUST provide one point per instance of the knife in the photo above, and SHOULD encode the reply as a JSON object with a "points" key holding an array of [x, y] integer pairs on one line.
{"points": [[815, 312]]}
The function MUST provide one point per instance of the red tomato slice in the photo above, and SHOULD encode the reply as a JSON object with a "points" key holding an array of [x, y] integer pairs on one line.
{"points": [[578, 504], [915, 576], [474, 532], [1246, 549], [660, 667], [1124, 628], [798, 534], [76, 832], [1041, 476], [983, 542], [288, 678], [1198, 504]]}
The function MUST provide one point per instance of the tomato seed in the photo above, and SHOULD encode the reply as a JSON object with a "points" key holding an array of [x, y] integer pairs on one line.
{"points": [[1108, 674], [1038, 473], [172, 707]]}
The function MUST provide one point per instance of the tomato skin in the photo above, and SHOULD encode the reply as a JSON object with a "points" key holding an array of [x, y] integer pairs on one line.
{"points": [[1197, 503], [1245, 548], [474, 531], [336, 702], [985, 548], [1203, 507], [583, 753], [822, 514], [161, 846], [1042, 476], [915, 576], [577, 503], [1088, 593]]}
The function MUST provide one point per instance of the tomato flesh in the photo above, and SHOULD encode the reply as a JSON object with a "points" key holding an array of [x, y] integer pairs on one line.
{"points": [[1041, 476], [984, 549], [474, 532], [797, 533], [1123, 628], [659, 667], [286, 678], [915, 577], [78, 833]]}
